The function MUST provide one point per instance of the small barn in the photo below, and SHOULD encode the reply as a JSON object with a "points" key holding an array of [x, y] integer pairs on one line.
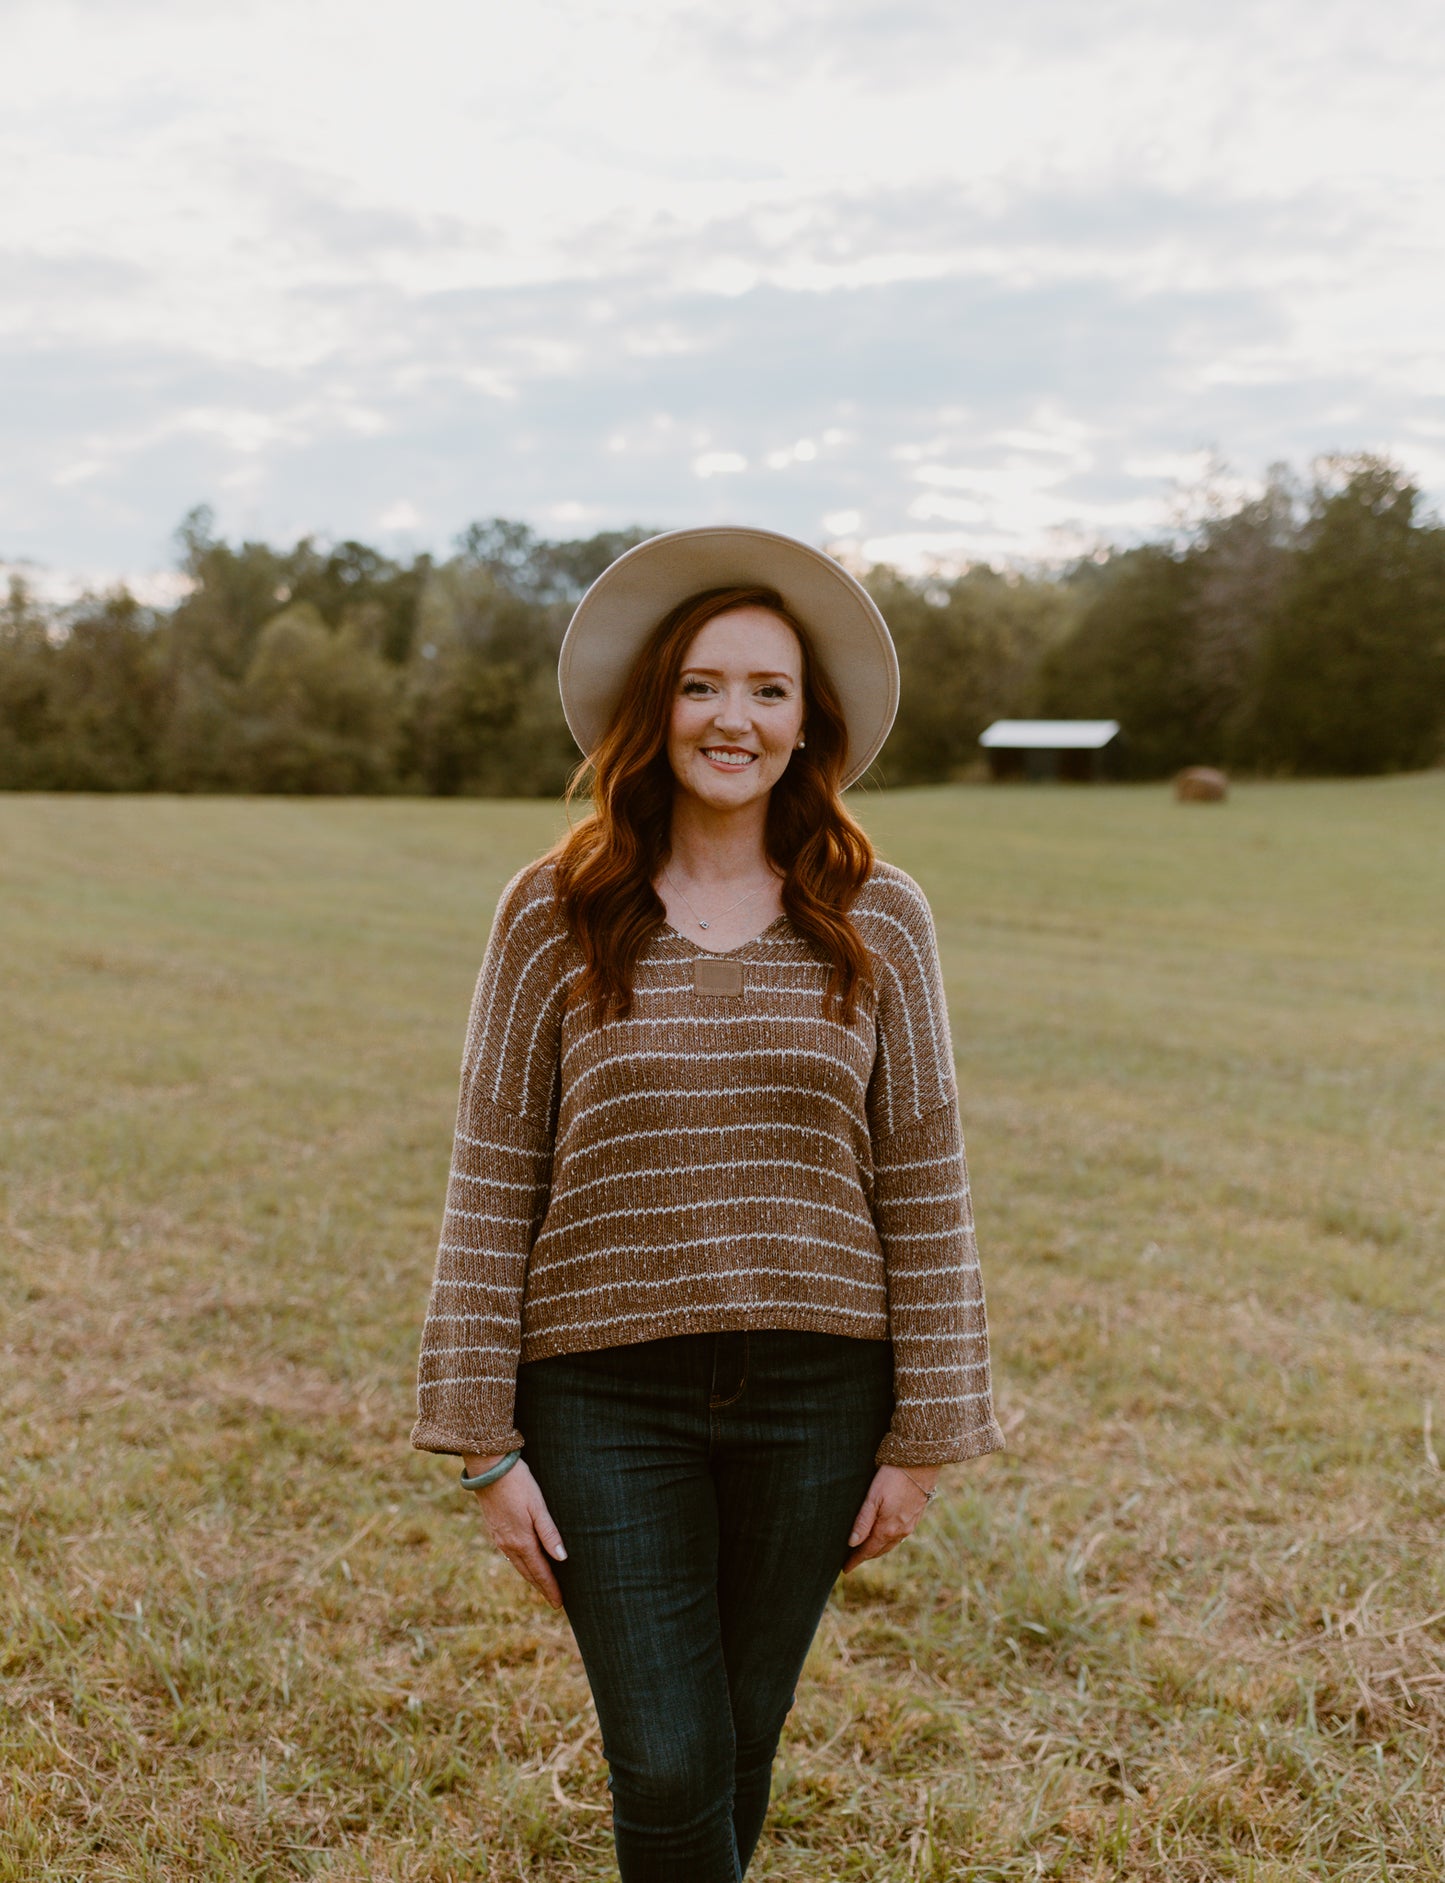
{"points": [[1076, 751]]}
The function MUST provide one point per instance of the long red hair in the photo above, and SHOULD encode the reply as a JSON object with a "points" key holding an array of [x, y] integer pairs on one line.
{"points": [[605, 864]]}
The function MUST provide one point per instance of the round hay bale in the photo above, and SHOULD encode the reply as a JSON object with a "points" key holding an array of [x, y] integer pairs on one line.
{"points": [[1201, 784]]}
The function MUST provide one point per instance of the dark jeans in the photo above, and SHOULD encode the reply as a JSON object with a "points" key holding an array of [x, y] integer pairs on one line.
{"points": [[704, 1486]]}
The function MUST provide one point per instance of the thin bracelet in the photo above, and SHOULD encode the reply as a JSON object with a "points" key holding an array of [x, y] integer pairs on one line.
{"points": [[498, 1470], [928, 1495]]}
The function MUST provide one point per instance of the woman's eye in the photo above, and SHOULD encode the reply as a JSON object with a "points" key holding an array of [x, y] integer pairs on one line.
{"points": [[694, 686], [772, 693]]}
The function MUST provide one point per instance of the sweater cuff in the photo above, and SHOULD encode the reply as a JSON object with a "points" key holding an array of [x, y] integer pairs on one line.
{"points": [[898, 1448], [427, 1436]]}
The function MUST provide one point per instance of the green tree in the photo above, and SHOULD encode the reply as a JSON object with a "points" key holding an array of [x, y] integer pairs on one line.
{"points": [[112, 696], [1352, 673], [968, 653], [233, 593], [1131, 658], [321, 708], [535, 570], [204, 744], [353, 586], [83, 698], [31, 754], [1243, 555], [482, 715]]}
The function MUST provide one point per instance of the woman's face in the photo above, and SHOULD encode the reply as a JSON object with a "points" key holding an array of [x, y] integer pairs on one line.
{"points": [[738, 708]]}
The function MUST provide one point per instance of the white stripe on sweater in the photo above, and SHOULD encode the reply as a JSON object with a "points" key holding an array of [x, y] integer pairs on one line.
{"points": [[491, 1144], [942, 1196], [557, 999], [644, 1056], [472, 1314], [492, 1254], [914, 1340], [927, 1235], [624, 1284], [487, 1287], [700, 1131], [479, 1216], [499, 1183], [908, 1029], [942, 1366], [886, 1059], [964, 1304], [917, 1163], [641, 1212], [922, 968], [873, 1315], [494, 960], [553, 941], [682, 989], [747, 1017], [630, 1177], [550, 1265], [466, 1379], [815, 1092], [951, 1399], [507, 1347]]}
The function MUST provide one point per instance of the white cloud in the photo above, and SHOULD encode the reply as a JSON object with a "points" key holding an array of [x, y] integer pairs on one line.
{"points": [[80, 472], [803, 451], [531, 258], [1181, 467], [400, 515], [719, 464]]}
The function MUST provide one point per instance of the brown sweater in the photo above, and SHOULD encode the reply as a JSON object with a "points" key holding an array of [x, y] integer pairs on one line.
{"points": [[725, 1157]]}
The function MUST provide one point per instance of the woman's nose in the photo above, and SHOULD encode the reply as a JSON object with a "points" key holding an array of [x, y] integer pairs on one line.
{"points": [[733, 714]]}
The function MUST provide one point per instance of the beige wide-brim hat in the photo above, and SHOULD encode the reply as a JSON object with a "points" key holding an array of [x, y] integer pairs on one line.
{"points": [[627, 601]]}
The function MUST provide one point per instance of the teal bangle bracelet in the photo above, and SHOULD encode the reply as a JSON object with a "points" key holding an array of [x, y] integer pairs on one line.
{"points": [[491, 1474]]}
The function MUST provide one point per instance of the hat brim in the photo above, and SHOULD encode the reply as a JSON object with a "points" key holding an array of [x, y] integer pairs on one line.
{"points": [[624, 605]]}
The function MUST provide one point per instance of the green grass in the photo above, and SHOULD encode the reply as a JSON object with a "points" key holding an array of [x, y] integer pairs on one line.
{"points": [[1187, 1627]]}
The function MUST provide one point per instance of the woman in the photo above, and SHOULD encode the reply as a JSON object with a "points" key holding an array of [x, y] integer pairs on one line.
{"points": [[708, 1248]]}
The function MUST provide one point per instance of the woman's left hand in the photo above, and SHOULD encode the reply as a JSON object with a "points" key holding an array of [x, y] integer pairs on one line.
{"points": [[896, 1500]]}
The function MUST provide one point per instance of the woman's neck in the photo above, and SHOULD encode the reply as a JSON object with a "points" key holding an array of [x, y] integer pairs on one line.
{"points": [[709, 846]]}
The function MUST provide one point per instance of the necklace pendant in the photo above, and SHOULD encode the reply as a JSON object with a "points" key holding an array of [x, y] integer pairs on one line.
{"points": [[702, 924]]}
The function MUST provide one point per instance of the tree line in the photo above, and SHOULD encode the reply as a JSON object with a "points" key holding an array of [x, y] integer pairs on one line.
{"points": [[1301, 631]]}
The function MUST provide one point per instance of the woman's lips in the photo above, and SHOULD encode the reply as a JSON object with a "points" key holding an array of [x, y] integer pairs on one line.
{"points": [[728, 758]]}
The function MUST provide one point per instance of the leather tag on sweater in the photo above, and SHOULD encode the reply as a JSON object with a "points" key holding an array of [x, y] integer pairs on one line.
{"points": [[717, 977]]}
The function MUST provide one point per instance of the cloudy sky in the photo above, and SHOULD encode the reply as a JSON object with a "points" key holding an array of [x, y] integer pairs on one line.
{"points": [[932, 278]]}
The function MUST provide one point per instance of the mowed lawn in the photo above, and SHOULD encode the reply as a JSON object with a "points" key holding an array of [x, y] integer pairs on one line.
{"points": [[1190, 1625]]}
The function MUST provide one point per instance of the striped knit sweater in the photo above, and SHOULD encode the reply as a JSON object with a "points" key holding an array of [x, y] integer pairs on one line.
{"points": [[725, 1157]]}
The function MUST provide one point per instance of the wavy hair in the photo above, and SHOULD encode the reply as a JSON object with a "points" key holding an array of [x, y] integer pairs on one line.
{"points": [[605, 864]]}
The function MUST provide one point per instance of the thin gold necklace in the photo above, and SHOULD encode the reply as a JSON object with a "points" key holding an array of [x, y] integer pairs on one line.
{"points": [[670, 878]]}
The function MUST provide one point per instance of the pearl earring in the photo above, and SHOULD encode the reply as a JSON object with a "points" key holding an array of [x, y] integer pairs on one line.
{"points": [[801, 743]]}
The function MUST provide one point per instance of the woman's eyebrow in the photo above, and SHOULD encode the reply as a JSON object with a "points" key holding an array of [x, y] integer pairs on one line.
{"points": [[716, 673]]}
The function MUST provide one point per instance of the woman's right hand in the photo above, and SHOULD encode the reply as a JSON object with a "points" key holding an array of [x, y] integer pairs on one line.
{"points": [[519, 1523]]}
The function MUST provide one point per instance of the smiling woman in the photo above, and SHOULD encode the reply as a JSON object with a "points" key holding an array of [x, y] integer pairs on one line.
{"points": [[723, 690], [736, 721], [708, 1247]]}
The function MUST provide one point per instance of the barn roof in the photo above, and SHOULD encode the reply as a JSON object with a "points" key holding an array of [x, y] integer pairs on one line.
{"points": [[1050, 735]]}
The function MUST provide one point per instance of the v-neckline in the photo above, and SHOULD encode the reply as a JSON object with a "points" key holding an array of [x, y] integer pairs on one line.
{"points": [[722, 954]]}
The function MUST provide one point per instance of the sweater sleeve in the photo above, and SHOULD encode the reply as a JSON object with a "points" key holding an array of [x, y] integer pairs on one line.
{"points": [[943, 1404], [498, 1188]]}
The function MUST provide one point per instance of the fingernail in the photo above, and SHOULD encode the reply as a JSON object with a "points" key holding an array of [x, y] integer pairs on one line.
{"points": [[559, 1553], [854, 1540]]}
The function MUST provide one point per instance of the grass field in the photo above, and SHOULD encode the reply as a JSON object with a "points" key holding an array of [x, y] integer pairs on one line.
{"points": [[1188, 1626]]}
